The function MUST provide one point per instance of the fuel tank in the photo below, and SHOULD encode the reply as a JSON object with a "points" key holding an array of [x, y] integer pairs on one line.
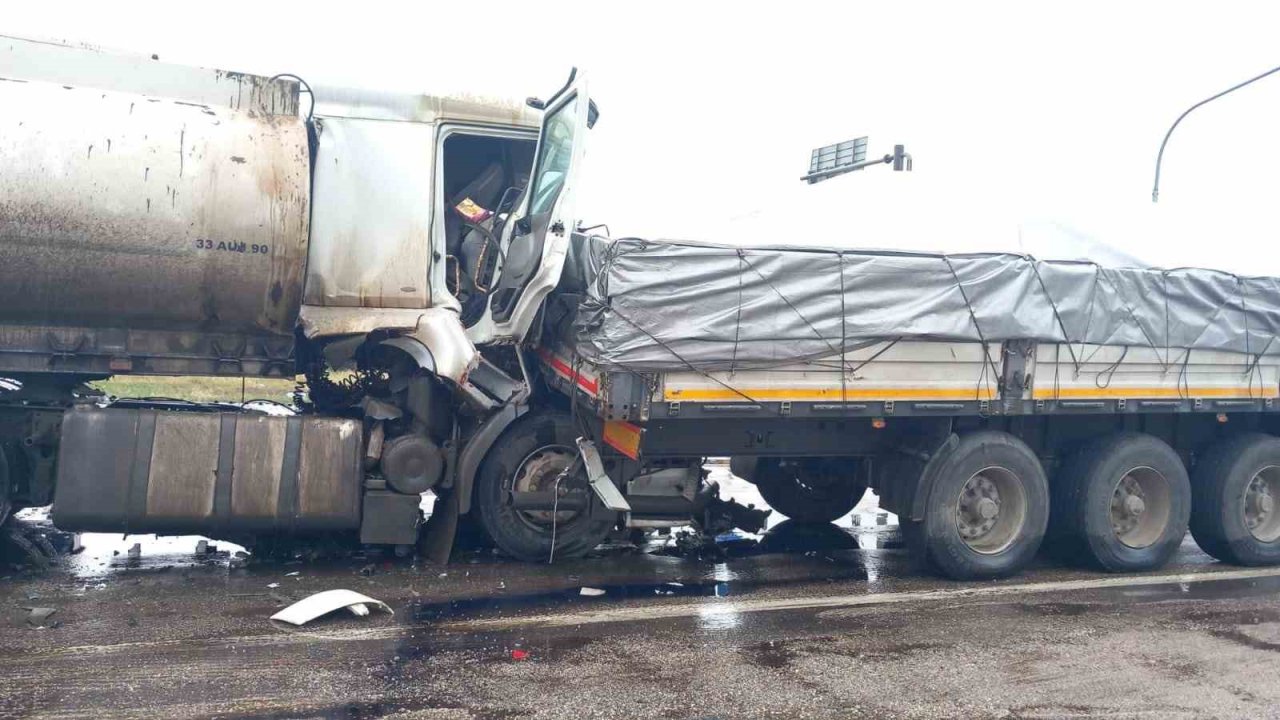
{"points": [[127, 206], [143, 471]]}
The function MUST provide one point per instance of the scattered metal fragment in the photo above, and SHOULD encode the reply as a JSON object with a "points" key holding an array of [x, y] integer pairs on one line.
{"points": [[323, 603], [34, 552]]}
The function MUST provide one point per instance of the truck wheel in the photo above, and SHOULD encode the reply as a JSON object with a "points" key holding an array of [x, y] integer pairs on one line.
{"points": [[529, 457], [1235, 502], [986, 511], [809, 491], [1124, 502]]}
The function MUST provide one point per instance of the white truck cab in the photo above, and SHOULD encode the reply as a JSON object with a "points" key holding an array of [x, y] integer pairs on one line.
{"points": [[444, 218]]}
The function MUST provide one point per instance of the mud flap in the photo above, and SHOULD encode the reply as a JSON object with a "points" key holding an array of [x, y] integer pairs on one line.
{"points": [[599, 479], [436, 542]]}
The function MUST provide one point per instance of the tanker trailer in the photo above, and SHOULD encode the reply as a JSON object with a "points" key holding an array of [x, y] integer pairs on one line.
{"points": [[168, 220]]}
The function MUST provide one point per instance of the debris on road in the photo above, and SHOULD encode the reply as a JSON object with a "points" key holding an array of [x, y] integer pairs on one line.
{"points": [[591, 592], [32, 547], [36, 616], [323, 603]]}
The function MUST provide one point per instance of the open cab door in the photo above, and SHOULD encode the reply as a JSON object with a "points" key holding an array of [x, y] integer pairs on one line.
{"points": [[535, 238]]}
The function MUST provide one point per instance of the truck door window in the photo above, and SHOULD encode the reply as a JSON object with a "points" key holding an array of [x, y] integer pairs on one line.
{"points": [[478, 171], [553, 159]]}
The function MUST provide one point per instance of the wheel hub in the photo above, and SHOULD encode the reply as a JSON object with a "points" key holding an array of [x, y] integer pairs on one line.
{"points": [[991, 510], [1140, 507], [1134, 506], [979, 507], [541, 472], [1260, 516], [1128, 504]]}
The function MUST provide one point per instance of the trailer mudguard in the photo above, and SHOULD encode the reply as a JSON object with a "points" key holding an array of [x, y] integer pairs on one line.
{"points": [[904, 477]]}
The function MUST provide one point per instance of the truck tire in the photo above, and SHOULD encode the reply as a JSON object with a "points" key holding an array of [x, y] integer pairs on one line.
{"points": [[806, 493], [1235, 501], [530, 455], [986, 509], [1123, 502]]}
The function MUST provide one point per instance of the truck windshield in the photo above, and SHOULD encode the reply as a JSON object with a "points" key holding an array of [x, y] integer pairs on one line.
{"points": [[554, 157]]}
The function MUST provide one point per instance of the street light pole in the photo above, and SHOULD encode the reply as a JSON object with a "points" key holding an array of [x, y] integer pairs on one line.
{"points": [[1155, 189]]}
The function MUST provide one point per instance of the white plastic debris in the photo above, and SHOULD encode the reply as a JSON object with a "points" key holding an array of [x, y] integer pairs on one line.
{"points": [[273, 586], [591, 592], [323, 603], [292, 574], [37, 616]]}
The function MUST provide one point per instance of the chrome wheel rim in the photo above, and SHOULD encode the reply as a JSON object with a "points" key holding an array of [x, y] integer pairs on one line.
{"points": [[991, 510], [1140, 507], [1261, 497]]}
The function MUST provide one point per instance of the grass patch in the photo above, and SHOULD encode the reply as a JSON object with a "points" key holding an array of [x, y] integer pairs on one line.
{"points": [[198, 389]]}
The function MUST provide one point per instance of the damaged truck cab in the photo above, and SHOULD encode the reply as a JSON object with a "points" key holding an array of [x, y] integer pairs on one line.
{"points": [[166, 220]]}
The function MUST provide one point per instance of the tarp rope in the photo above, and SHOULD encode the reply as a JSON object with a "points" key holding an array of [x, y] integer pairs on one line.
{"points": [[743, 256], [686, 363], [1066, 338], [973, 316]]}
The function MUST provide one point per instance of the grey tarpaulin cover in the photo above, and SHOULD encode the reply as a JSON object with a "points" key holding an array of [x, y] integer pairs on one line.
{"points": [[664, 305]]}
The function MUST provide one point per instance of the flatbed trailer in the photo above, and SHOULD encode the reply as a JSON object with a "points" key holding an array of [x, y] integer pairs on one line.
{"points": [[984, 446], [814, 439]]}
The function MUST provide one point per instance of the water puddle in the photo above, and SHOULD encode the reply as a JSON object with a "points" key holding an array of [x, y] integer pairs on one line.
{"points": [[469, 608]]}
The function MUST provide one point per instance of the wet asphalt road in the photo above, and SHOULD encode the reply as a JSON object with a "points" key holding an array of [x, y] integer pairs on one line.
{"points": [[807, 628]]}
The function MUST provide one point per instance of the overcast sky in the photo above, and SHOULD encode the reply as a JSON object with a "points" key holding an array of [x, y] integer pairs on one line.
{"points": [[1034, 126]]}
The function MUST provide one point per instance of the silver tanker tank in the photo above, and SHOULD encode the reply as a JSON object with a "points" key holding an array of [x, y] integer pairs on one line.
{"points": [[149, 213]]}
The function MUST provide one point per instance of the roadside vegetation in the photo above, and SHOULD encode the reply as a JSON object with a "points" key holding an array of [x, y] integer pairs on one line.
{"points": [[199, 389]]}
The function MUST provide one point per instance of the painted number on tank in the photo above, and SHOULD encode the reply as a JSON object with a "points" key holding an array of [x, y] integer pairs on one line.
{"points": [[233, 246]]}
